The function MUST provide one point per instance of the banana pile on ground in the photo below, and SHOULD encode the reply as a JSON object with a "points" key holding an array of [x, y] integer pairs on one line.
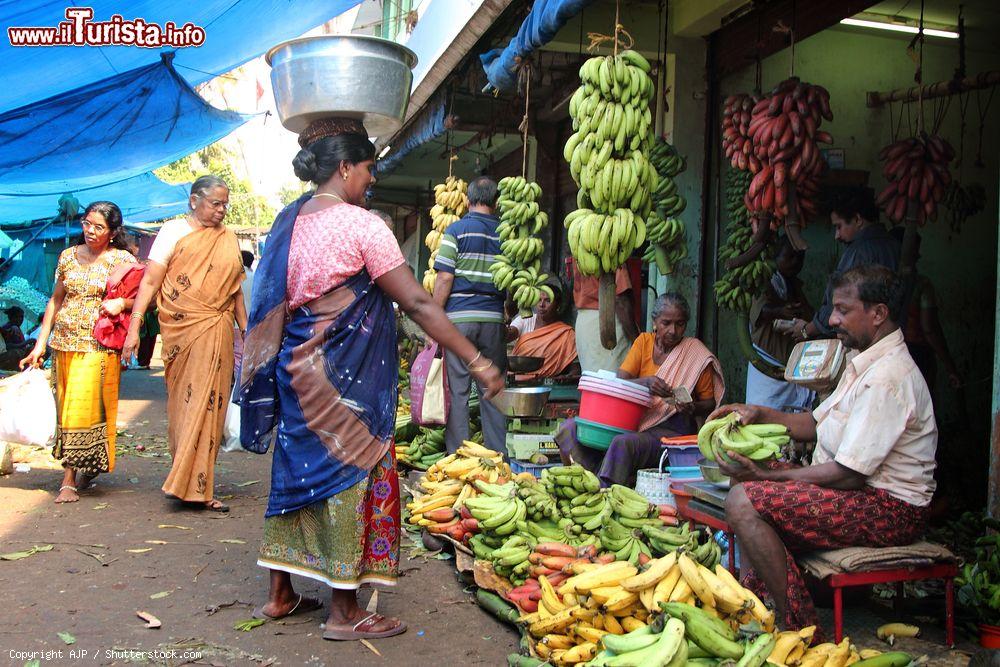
{"points": [[551, 562], [738, 286], [737, 112], [472, 461], [784, 129], [917, 171], [606, 153], [424, 450], [757, 442], [665, 232], [792, 649], [450, 204], [518, 269]]}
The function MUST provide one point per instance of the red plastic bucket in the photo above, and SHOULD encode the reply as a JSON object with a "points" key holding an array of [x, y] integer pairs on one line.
{"points": [[610, 410], [989, 636]]}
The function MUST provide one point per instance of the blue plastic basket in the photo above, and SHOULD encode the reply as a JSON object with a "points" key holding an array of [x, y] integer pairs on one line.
{"points": [[596, 436], [535, 469]]}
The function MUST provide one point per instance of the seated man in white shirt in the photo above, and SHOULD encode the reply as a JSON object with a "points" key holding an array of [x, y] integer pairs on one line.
{"points": [[872, 473]]}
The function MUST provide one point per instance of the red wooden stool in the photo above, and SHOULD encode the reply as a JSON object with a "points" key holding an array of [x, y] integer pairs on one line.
{"points": [[946, 571]]}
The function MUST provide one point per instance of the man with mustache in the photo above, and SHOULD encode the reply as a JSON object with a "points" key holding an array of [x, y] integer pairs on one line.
{"points": [[872, 473]]}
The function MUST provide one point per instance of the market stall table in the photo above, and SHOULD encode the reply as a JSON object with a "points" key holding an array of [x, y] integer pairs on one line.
{"points": [[705, 503]]}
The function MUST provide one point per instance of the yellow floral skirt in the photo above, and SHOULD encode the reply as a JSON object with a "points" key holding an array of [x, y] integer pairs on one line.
{"points": [[86, 388]]}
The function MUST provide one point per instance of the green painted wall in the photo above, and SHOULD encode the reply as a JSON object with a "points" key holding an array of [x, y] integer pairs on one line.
{"points": [[962, 265]]}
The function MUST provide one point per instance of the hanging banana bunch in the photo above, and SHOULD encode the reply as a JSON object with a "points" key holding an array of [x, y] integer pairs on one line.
{"points": [[738, 286], [450, 204], [608, 160], [665, 231], [518, 268]]}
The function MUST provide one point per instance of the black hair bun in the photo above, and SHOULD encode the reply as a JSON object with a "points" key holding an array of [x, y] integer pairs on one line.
{"points": [[304, 165]]}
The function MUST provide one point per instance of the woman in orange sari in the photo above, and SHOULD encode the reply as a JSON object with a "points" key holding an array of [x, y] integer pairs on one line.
{"points": [[546, 335], [659, 361], [196, 268]]}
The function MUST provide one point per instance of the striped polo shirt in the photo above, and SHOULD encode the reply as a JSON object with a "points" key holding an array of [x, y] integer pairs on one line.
{"points": [[468, 248]]}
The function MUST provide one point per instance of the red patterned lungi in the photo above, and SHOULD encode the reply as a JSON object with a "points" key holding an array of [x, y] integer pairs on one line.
{"points": [[809, 517]]}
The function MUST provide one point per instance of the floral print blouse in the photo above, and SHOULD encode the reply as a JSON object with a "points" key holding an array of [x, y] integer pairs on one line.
{"points": [[86, 286]]}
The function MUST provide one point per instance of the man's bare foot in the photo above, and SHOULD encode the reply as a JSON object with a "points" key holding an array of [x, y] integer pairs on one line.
{"points": [[67, 494]]}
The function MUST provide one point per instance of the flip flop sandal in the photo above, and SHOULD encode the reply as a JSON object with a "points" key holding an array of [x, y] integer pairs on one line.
{"points": [[221, 507], [302, 606], [362, 630]]}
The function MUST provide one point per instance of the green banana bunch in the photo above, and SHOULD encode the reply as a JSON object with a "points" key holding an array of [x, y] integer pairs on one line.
{"points": [[757, 442], [608, 159], [709, 633], [517, 269], [737, 287], [667, 240], [645, 647], [601, 243], [539, 503], [510, 560], [588, 510], [568, 482]]}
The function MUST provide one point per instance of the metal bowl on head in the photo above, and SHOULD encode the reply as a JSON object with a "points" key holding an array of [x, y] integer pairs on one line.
{"points": [[522, 401], [522, 364], [711, 472], [349, 76]]}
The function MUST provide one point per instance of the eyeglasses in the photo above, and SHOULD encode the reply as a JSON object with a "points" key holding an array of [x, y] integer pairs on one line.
{"points": [[96, 226]]}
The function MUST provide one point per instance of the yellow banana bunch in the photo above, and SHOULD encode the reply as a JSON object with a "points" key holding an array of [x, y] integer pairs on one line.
{"points": [[601, 243], [471, 461], [450, 204]]}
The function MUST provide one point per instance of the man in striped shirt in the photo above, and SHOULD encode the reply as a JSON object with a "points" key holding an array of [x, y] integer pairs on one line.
{"points": [[464, 288]]}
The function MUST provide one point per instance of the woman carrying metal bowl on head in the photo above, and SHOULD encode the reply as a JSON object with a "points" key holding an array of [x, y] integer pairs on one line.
{"points": [[319, 378]]}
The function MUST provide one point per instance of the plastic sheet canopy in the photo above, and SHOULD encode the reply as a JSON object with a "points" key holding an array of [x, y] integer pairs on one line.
{"points": [[107, 132], [142, 198], [235, 31], [430, 126], [544, 20]]}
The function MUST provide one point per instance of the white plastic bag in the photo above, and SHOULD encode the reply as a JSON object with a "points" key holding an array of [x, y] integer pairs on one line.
{"points": [[231, 430], [27, 409]]}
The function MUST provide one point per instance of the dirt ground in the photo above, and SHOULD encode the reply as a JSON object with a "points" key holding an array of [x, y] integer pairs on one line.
{"points": [[125, 548]]}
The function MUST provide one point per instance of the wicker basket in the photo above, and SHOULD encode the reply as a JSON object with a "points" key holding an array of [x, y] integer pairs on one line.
{"points": [[654, 484]]}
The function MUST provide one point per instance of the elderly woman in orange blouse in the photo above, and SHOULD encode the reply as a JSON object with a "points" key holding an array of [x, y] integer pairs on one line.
{"points": [[659, 361]]}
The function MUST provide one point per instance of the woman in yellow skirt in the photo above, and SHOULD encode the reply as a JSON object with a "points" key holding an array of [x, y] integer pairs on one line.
{"points": [[85, 373]]}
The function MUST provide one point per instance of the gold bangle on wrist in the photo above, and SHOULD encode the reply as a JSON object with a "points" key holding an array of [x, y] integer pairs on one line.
{"points": [[468, 364], [482, 368]]}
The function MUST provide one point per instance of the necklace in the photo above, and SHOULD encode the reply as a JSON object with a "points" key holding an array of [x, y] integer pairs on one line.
{"points": [[331, 195]]}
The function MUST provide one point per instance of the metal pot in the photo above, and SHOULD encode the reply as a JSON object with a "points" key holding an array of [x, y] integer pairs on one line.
{"points": [[523, 364], [711, 472], [522, 401], [353, 76]]}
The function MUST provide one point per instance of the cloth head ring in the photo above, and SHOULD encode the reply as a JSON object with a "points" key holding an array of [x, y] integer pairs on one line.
{"points": [[329, 127]]}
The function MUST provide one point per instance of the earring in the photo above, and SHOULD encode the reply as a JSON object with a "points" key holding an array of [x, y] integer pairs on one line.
{"points": [[347, 176]]}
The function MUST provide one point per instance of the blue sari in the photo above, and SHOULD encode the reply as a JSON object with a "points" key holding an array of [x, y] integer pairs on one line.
{"points": [[320, 381]]}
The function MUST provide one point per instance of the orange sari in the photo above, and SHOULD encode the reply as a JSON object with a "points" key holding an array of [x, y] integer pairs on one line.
{"points": [[555, 342], [197, 305]]}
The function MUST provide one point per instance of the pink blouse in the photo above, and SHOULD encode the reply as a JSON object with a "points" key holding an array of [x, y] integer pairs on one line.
{"points": [[333, 244]]}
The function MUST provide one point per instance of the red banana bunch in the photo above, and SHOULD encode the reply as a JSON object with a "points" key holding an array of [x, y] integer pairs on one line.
{"points": [[917, 171], [784, 131], [736, 116]]}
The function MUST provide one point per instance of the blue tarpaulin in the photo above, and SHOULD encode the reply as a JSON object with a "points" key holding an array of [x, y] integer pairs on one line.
{"points": [[429, 127], [142, 198], [235, 31], [107, 132], [544, 20]]}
